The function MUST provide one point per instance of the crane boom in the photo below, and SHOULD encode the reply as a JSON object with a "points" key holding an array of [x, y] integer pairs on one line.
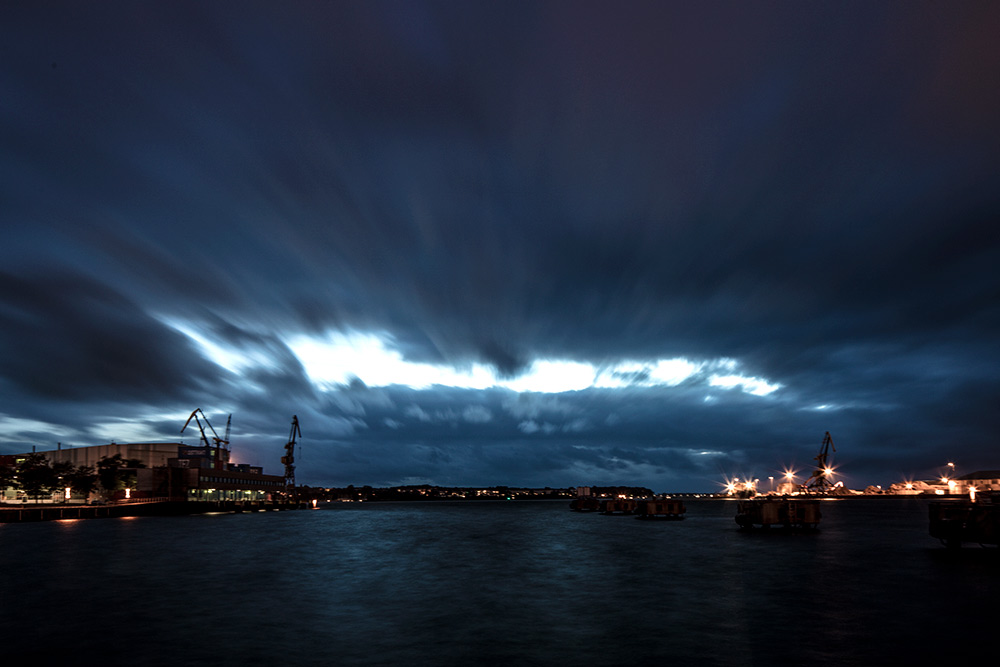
{"points": [[220, 443]]}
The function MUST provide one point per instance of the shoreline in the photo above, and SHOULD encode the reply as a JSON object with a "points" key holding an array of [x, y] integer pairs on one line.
{"points": [[68, 512]]}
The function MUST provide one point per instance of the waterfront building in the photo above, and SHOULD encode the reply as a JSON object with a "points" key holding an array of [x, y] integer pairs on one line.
{"points": [[982, 480], [170, 470]]}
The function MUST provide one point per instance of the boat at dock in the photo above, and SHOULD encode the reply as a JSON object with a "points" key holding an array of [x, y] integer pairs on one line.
{"points": [[668, 509], [788, 512], [976, 520], [585, 504], [619, 506]]}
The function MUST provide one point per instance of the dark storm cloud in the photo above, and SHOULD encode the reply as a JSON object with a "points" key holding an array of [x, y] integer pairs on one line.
{"points": [[660, 437], [808, 190], [72, 338], [652, 436]]}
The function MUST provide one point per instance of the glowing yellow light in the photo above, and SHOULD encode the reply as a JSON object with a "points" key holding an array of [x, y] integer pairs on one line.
{"points": [[314, 503], [67, 492], [909, 485], [128, 493], [789, 475], [972, 493], [944, 480], [828, 471]]}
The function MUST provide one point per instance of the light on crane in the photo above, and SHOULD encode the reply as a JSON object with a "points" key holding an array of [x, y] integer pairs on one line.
{"points": [[819, 481]]}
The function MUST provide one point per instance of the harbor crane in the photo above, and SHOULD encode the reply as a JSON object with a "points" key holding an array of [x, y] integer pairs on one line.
{"points": [[219, 443], [819, 481], [289, 458]]}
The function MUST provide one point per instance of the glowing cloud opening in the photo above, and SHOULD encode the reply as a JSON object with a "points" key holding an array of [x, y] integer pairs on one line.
{"points": [[339, 358], [750, 385]]}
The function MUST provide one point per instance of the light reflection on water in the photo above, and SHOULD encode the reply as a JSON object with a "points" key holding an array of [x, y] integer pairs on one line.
{"points": [[526, 583]]}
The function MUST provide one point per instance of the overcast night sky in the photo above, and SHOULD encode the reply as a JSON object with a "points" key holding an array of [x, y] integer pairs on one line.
{"points": [[538, 243]]}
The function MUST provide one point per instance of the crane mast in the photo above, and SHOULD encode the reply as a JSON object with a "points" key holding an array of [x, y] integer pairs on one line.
{"points": [[289, 458]]}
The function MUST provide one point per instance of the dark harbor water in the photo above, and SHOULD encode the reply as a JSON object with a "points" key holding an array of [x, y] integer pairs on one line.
{"points": [[516, 583]]}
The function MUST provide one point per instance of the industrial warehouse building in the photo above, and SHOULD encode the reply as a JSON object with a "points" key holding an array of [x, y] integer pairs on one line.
{"points": [[175, 471]]}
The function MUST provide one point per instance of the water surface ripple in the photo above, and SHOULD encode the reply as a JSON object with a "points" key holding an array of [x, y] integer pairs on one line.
{"points": [[494, 583]]}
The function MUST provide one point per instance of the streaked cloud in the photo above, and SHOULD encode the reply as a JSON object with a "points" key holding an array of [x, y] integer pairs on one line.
{"points": [[593, 243]]}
